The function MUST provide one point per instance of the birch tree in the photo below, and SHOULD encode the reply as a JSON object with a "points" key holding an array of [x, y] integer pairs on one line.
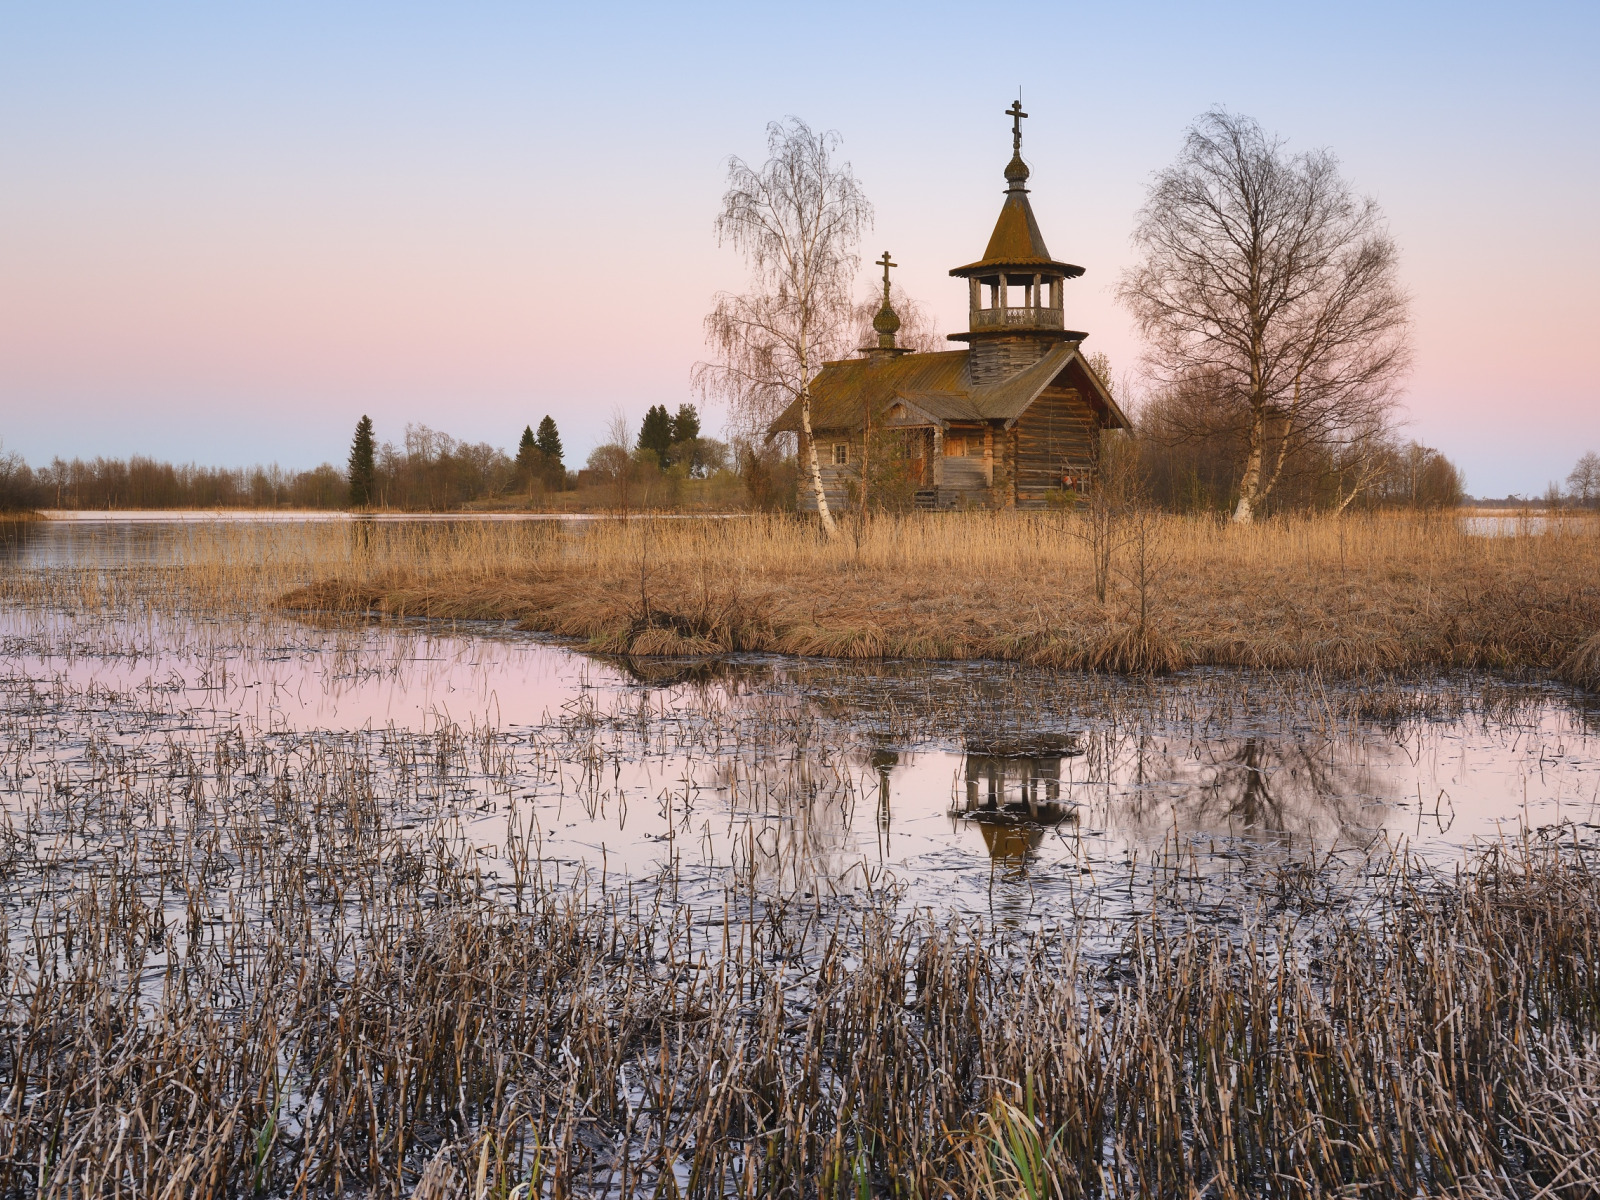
{"points": [[1264, 274], [1584, 482], [797, 221]]}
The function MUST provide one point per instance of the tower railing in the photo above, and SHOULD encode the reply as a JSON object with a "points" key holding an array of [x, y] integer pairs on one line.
{"points": [[1022, 318]]}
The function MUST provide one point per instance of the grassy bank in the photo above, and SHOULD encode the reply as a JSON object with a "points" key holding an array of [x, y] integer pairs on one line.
{"points": [[1343, 596], [1362, 594], [244, 961]]}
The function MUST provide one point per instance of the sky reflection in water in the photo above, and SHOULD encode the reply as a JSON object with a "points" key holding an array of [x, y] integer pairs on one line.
{"points": [[968, 785], [990, 786]]}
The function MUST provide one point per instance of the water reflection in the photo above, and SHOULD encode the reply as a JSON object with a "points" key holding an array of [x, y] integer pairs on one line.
{"points": [[806, 777], [17, 540], [1013, 794]]}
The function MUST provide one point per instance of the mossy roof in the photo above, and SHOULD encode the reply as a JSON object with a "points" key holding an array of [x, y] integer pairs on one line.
{"points": [[1017, 244], [937, 389]]}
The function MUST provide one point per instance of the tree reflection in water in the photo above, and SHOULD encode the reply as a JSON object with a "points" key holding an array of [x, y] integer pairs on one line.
{"points": [[1287, 788]]}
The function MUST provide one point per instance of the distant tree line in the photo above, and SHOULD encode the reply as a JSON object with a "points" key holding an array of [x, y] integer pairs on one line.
{"points": [[1583, 484], [667, 464], [140, 482], [1194, 453]]}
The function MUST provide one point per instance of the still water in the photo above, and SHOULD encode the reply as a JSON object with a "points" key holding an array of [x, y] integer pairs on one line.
{"points": [[981, 788]]}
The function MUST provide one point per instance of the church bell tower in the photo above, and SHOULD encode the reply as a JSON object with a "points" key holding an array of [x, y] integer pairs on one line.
{"points": [[1006, 336]]}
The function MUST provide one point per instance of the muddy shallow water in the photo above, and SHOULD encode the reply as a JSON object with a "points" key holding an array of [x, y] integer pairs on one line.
{"points": [[243, 851], [970, 787]]}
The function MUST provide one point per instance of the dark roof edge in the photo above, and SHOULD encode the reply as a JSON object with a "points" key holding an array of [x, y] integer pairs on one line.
{"points": [[1024, 265]]}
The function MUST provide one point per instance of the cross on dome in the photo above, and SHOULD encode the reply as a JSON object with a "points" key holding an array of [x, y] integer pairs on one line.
{"points": [[887, 322], [1016, 114]]}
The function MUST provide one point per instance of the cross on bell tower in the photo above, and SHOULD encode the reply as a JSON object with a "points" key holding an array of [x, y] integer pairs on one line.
{"points": [[1016, 114], [1016, 169]]}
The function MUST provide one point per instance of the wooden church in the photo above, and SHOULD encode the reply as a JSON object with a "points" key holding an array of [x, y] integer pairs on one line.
{"points": [[1014, 420]]}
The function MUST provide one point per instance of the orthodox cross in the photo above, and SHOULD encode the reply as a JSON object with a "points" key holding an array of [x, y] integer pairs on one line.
{"points": [[1016, 114], [886, 265]]}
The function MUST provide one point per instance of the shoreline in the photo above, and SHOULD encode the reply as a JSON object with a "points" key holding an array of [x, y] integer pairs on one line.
{"points": [[182, 516]]}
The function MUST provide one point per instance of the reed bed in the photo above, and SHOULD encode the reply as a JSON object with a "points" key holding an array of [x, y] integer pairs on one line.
{"points": [[283, 967], [1356, 595], [244, 961]]}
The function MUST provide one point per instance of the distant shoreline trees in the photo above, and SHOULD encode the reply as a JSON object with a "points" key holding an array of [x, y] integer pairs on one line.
{"points": [[142, 482], [538, 462], [1583, 484], [548, 439]]}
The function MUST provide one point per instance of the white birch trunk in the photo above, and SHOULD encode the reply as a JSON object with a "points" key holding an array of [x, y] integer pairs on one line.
{"points": [[1250, 485], [817, 490]]}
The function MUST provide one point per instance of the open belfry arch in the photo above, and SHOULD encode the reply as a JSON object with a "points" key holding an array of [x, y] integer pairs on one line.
{"points": [[1013, 420]]}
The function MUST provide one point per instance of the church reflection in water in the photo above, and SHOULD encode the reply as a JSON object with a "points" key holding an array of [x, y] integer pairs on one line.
{"points": [[1013, 794]]}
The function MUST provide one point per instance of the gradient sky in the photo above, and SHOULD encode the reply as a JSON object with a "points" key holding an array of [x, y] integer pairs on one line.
{"points": [[228, 230]]}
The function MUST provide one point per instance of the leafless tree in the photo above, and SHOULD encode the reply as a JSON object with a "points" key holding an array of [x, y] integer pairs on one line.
{"points": [[614, 461], [797, 221], [1264, 275], [1583, 485], [16, 481], [1359, 461]]}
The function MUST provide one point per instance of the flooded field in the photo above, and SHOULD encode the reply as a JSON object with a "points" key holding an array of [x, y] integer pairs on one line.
{"points": [[354, 907], [816, 776]]}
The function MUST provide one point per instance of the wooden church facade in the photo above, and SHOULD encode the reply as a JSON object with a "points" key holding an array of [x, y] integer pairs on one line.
{"points": [[1014, 420]]}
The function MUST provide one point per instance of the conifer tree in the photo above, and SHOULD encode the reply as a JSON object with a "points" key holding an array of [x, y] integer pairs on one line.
{"points": [[686, 425], [549, 440], [363, 466], [528, 455], [656, 433]]}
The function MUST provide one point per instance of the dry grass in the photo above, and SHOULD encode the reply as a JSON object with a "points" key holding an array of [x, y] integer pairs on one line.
{"points": [[1582, 666], [260, 964], [277, 966], [1364, 594], [1344, 596]]}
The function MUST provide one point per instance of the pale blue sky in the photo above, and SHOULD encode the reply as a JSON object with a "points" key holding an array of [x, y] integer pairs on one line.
{"points": [[227, 231]]}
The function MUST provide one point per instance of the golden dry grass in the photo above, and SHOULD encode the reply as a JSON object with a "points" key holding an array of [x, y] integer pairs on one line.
{"points": [[1374, 593], [1346, 596]]}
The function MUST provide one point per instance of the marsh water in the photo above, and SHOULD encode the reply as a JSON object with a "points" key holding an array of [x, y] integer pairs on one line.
{"points": [[961, 787]]}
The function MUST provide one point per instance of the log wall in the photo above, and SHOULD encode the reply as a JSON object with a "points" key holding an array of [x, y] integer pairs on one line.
{"points": [[1058, 436], [837, 481], [994, 359]]}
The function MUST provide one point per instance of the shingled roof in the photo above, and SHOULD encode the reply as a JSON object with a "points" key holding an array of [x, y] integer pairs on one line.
{"points": [[1016, 242], [937, 389]]}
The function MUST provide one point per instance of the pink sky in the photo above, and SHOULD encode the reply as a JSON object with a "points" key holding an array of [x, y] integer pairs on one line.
{"points": [[224, 236]]}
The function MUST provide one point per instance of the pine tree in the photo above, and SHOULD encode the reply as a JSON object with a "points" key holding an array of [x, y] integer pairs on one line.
{"points": [[686, 425], [656, 432], [528, 454], [549, 440], [363, 467]]}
